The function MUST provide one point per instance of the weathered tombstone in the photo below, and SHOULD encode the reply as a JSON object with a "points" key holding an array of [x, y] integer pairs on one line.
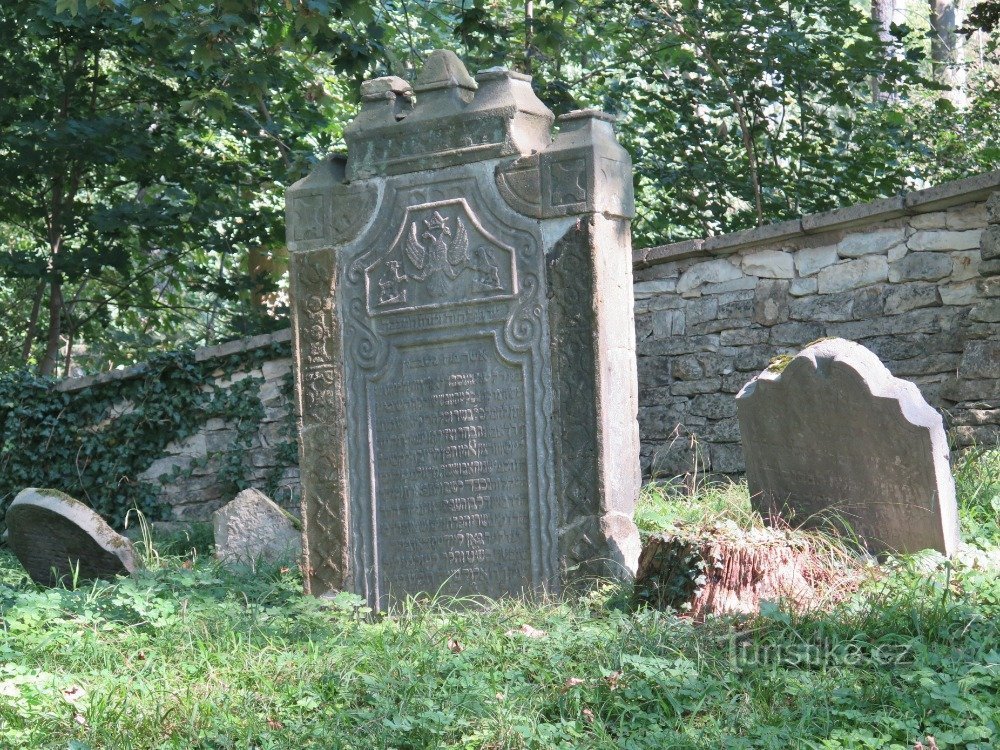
{"points": [[251, 528], [57, 538], [834, 437], [464, 338]]}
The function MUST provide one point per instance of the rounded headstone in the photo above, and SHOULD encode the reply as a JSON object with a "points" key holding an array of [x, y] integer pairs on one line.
{"points": [[833, 437], [58, 538]]}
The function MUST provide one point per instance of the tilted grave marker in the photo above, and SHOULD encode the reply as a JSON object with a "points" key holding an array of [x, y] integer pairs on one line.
{"points": [[59, 539], [465, 356], [252, 528]]}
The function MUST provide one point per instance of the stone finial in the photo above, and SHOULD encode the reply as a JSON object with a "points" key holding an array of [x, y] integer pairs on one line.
{"points": [[444, 88], [508, 93], [387, 87], [443, 70], [384, 101], [572, 119], [583, 170]]}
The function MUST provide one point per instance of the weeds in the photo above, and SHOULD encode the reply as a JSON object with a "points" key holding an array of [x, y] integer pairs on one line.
{"points": [[977, 487]]}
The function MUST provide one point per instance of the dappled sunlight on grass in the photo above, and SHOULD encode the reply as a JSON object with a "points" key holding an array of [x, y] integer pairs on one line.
{"points": [[187, 655]]}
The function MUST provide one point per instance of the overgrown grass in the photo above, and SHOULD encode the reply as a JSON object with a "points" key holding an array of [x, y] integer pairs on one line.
{"points": [[188, 656], [977, 487], [669, 505]]}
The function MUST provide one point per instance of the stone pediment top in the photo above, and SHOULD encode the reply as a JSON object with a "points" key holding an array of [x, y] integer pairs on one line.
{"points": [[446, 118], [387, 87]]}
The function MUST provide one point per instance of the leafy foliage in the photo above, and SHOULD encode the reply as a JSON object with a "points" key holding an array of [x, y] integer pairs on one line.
{"points": [[95, 443], [145, 148], [147, 145], [740, 112]]}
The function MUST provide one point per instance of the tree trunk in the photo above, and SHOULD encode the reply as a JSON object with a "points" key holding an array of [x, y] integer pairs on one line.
{"points": [[29, 335], [946, 49], [529, 34], [884, 14], [68, 361], [48, 364]]}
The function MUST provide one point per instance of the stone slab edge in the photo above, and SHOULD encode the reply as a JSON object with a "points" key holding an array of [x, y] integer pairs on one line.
{"points": [[200, 355], [906, 204]]}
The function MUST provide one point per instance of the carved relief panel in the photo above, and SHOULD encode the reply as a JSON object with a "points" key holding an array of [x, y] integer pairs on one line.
{"points": [[447, 387]]}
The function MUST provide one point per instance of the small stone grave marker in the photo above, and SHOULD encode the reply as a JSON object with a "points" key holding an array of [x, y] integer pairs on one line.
{"points": [[58, 538], [834, 436], [252, 528]]}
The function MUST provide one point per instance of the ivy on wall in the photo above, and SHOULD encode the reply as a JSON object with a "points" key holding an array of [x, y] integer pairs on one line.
{"points": [[95, 443]]}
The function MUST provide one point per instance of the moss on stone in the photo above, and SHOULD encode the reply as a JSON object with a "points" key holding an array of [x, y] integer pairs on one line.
{"points": [[779, 363], [296, 523], [816, 341], [62, 496]]}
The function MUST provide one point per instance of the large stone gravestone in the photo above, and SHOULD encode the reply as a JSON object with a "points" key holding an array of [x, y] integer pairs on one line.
{"points": [[464, 338], [833, 437], [57, 538]]}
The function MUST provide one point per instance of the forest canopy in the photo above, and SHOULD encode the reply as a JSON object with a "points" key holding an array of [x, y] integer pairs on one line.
{"points": [[146, 146]]}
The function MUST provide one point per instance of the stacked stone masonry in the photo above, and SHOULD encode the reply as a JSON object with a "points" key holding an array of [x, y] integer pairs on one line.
{"points": [[188, 472], [915, 278]]}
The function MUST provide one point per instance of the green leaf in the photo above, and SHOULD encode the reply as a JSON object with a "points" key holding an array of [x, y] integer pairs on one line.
{"points": [[71, 6]]}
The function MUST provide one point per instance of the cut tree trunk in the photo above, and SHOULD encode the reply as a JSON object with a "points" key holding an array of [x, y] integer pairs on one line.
{"points": [[724, 571]]}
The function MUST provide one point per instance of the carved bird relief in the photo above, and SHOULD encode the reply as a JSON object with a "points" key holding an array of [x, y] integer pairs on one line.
{"points": [[442, 258]]}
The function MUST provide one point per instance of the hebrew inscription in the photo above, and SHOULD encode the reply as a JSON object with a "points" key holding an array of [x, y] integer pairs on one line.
{"points": [[445, 385], [451, 461]]}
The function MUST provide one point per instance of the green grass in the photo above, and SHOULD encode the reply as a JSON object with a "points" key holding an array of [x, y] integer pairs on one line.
{"points": [[977, 487], [188, 656]]}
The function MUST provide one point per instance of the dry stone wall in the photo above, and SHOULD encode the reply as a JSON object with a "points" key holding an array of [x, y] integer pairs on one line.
{"points": [[915, 278], [190, 472]]}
